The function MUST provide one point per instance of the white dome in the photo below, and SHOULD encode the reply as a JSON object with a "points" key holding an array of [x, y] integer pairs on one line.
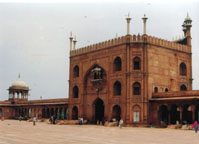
{"points": [[19, 83]]}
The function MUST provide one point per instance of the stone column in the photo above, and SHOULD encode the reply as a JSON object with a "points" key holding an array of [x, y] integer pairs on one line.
{"points": [[169, 114], [181, 108], [193, 112], [144, 21], [128, 19]]}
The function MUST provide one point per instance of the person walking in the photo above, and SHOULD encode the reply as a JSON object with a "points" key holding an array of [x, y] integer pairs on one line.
{"points": [[121, 123], [195, 126], [34, 120]]}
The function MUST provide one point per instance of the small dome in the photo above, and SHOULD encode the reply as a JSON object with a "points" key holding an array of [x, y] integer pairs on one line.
{"points": [[19, 83]]}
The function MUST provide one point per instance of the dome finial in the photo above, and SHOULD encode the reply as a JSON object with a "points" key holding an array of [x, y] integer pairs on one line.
{"points": [[19, 76]]}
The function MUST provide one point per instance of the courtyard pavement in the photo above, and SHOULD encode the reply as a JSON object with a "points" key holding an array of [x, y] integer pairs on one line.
{"points": [[16, 132]]}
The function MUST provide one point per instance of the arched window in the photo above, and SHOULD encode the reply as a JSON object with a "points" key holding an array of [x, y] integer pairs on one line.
{"points": [[136, 63], [117, 88], [183, 87], [156, 89], [136, 88], [75, 113], [76, 71], [75, 92], [166, 90], [117, 64], [183, 69]]}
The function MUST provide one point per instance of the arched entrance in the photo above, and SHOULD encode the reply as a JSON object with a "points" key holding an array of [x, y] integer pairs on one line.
{"points": [[75, 113], [163, 114], [0, 112], [99, 110], [116, 113], [187, 114], [175, 114]]}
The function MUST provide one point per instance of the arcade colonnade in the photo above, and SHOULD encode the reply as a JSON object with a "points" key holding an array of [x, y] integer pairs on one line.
{"points": [[19, 94], [172, 113], [60, 112]]}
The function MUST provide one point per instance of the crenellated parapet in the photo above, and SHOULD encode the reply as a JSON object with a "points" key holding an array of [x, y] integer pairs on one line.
{"points": [[133, 39], [168, 44]]}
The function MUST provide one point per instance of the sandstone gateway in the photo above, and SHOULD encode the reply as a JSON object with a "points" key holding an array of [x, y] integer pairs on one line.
{"points": [[139, 78]]}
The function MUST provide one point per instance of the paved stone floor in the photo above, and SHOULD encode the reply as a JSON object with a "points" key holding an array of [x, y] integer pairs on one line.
{"points": [[15, 132]]}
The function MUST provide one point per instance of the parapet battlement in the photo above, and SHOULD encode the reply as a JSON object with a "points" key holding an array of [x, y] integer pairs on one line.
{"points": [[133, 39]]}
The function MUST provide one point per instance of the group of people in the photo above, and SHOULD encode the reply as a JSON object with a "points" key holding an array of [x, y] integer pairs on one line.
{"points": [[121, 122]]}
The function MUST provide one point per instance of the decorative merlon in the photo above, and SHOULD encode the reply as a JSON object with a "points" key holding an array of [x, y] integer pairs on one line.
{"points": [[133, 39]]}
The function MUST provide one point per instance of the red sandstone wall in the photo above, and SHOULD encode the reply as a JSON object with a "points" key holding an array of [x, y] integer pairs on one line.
{"points": [[164, 66]]}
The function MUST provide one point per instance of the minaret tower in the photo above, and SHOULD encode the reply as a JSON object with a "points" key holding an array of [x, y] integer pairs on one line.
{"points": [[187, 29]]}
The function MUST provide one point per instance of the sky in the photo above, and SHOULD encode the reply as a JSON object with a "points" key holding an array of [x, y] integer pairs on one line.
{"points": [[34, 37]]}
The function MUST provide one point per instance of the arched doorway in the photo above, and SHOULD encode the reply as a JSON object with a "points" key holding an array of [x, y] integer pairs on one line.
{"points": [[75, 113], [116, 113], [99, 109], [43, 113], [163, 114], [186, 114], [175, 114]]}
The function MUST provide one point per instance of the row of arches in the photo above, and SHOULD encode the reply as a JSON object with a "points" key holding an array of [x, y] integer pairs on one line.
{"points": [[182, 88], [99, 107], [183, 114], [23, 112], [58, 113], [117, 89], [117, 65]]}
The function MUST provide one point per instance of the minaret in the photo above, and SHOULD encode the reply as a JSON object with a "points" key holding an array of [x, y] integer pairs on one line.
{"points": [[74, 43], [128, 19], [144, 21], [71, 41], [184, 28], [188, 25]]}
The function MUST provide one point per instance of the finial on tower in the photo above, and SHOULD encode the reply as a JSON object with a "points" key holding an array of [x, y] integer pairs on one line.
{"points": [[74, 43], [144, 21], [71, 41], [19, 76]]}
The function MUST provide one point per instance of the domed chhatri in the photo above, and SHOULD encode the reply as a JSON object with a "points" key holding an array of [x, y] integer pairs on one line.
{"points": [[18, 90], [19, 83]]}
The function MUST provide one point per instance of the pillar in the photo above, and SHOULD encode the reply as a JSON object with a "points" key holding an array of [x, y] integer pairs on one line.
{"points": [[193, 112], [128, 19], [144, 21], [180, 114], [169, 114]]}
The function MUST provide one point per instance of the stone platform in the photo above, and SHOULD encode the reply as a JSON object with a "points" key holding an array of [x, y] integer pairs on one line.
{"points": [[16, 132]]}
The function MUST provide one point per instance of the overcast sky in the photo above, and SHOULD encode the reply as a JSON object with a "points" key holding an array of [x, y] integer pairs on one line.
{"points": [[34, 37]]}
